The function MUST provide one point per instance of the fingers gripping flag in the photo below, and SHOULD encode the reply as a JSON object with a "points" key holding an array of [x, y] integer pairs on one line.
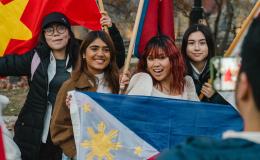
{"points": [[117, 127]]}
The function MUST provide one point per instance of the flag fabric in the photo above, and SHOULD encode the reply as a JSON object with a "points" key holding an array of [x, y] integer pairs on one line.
{"points": [[20, 20], [156, 17], [139, 127], [2, 150]]}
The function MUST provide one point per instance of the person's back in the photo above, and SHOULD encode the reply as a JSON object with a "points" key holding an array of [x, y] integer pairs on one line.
{"points": [[235, 145]]}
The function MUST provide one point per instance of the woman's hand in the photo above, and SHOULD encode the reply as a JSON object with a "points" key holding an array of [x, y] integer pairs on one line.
{"points": [[124, 80], [207, 90], [105, 20], [68, 100]]}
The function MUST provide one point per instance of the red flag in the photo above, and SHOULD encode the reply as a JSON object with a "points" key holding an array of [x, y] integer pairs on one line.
{"points": [[166, 19], [20, 20], [157, 17], [2, 150]]}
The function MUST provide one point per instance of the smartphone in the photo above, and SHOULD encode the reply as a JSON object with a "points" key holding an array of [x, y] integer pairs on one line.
{"points": [[224, 72]]}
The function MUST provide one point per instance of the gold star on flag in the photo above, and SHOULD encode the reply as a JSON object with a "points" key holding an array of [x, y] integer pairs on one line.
{"points": [[100, 143], [86, 108], [10, 25], [138, 150]]}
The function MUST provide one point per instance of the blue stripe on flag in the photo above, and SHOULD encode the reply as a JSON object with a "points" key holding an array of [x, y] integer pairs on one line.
{"points": [[140, 28]]}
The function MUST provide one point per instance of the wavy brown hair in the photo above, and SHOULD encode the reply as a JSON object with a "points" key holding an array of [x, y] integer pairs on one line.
{"points": [[111, 72], [166, 44]]}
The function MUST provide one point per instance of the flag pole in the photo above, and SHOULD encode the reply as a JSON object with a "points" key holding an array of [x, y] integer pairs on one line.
{"points": [[243, 28], [101, 8], [133, 38], [237, 38]]}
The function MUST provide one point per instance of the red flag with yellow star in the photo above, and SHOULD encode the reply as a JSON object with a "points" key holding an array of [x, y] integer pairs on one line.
{"points": [[20, 20]]}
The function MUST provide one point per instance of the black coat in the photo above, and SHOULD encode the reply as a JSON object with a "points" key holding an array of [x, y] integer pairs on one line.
{"points": [[203, 78], [29, 125], [119, 45]]}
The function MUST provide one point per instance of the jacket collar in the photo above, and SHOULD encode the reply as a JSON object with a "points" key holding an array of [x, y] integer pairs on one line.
{"points": [[84, 82], [250, 136]]}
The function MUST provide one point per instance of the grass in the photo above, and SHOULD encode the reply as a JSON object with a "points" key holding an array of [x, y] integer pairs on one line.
{"points": [[17, 98]]}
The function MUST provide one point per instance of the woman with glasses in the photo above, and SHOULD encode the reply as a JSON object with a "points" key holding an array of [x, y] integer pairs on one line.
{"points": [[47, 66], [96, 71]]}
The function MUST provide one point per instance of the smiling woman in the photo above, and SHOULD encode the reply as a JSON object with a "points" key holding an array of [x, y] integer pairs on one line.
{"points": [[161, 72], [57, 37], [197, 49], [47, 66], [96, 71]]}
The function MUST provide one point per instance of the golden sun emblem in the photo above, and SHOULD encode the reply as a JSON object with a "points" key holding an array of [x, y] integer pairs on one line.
{"points": [[100, 143]]}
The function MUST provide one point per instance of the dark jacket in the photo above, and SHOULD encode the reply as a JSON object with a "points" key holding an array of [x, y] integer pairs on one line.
{"points": [[61, 125], [209, 149], [119, 45], [203, 78], [29, 125]]}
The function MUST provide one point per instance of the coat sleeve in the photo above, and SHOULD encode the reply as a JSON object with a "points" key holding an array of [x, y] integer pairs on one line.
{"points": [[119, 45], [217, 98], [61, 126], [16, 65]]}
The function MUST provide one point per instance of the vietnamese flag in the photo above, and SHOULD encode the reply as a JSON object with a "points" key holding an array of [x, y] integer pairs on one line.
{"points": [[20, 20], [2, 149], [156, 18]]}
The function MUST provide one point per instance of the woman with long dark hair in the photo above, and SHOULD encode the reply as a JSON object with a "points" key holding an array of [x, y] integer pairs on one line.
{"points": [[48, 65], [197, 49], [96, 71]]}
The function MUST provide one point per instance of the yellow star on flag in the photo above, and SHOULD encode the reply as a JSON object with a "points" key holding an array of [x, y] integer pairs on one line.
{"points": [[86, 108], [138, 150], [100, 143], [10, 25]]}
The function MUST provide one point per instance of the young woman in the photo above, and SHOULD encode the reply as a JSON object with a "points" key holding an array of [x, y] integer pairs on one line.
{"points": [[197, 49], [48, 65], [97, 72], [161, 72]]}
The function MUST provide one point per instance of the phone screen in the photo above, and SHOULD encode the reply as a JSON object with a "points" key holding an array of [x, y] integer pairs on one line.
{"points": [[224, 72]]}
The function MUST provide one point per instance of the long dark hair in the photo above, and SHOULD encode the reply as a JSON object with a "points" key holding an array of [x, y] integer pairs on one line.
{"points": [[72, 48], [166, 44], [111, 72], [208, 35]]}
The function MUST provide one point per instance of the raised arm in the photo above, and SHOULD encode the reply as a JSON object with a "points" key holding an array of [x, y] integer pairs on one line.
{"points": [[116, 37], [16, 65]]}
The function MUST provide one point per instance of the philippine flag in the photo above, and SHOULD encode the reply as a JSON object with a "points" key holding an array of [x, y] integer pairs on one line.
{"points": [[116, 127]]}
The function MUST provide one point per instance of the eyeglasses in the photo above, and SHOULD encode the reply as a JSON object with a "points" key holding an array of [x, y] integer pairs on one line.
{"points": [[49, 31]]}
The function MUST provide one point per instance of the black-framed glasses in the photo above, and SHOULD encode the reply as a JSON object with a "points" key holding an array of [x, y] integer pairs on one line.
{"points": [[49, 31]]}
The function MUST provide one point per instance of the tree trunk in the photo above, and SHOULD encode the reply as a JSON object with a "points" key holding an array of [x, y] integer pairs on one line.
{"points": [[229, 17]]}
